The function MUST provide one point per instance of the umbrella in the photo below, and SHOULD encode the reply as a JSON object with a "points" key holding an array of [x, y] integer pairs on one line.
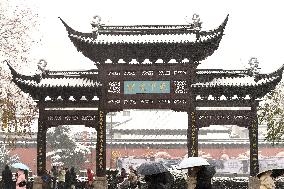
{"points": [[151, 168], [277, 172], [20, 166], [192, 162]]}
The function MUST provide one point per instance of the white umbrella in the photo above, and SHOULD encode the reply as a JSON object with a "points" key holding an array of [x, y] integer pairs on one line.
{"points": [[192, 162], [20, 166]]}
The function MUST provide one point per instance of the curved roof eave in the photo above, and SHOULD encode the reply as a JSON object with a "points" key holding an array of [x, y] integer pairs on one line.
{"points": [[258, 85], [36, 85], [99, 50]]}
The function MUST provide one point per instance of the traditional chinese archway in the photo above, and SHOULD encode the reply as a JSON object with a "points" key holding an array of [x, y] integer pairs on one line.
{"points": [[148, 67]]}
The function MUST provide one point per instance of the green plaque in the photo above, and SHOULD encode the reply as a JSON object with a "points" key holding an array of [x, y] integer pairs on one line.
{"points": [[146, 87]]}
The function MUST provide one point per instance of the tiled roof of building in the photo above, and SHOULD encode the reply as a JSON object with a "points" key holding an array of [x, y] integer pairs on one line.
{"points": [[146, 42], [235, 78], [59, 82], [57, 79], [237, 81]]}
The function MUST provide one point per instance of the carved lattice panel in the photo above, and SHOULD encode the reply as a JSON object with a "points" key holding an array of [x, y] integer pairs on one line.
{"points": [[180, 87], [132, 73], [149, 73], [114, 87], [164, 101], [179, 101], [180, 73], [130, 102], [113, 73], [146, 101], [228, 117], [70, 117], [164, 73], [114, 102]]}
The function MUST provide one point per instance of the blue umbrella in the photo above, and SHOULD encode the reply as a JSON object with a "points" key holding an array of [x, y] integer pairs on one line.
{"points": [[20, 166]]}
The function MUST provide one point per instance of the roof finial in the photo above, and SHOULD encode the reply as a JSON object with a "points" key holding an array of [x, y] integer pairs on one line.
{"points": [[96, 23], [41, 67], [253, 66], [196, 23]]}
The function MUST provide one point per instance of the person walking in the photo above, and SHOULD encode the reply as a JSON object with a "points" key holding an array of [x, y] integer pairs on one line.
{"points": [[46, 180], [132, 178], [122, 175], [90, 176], [204, 177], [54, 175], [7, 178], [67, 179], [21, 181], [73, 178], [156, 181], [61, 178]]}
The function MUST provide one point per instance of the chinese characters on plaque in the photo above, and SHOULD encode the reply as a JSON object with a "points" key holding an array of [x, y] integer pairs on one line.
{"points": [[101, 140], [146, 87], [193, 135]]}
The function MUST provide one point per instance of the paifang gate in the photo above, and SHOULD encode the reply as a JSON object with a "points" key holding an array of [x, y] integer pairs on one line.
{"points": [[147, 67]]}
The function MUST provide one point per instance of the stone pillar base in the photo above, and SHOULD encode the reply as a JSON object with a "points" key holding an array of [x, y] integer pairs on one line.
{"points": [[37, 183], [100, 183], [191, 182], [254, 183]]}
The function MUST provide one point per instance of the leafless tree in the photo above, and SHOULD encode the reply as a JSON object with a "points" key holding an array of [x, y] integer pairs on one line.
{"points": [[18, 31]]}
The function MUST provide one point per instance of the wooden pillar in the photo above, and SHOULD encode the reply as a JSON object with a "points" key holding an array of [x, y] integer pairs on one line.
{"points": [[192, 134], [41, 142], [101, 144], [192, 146], [253, 136]]}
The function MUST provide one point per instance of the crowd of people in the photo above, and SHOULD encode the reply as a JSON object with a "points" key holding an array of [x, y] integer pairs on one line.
{"points": [[64, 178], [56, 178], [128, 180], [21, 177]]}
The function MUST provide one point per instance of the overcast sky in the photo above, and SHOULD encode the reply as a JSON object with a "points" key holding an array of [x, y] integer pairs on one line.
{"points": [[255, 28]]}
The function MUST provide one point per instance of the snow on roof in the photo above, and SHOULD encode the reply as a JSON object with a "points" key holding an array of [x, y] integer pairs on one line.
{"points": [[236, 81]]}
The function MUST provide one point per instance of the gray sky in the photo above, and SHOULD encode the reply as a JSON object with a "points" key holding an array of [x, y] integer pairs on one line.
{"points": [[255, 28]]}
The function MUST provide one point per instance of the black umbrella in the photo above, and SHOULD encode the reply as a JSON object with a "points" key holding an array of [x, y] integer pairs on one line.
{"points": [[151, 168], [277, 173]]}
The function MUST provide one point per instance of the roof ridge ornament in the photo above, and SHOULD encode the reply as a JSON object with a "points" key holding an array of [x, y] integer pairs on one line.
{"points": [[41, 67], [196, 23], [254, 68], [96, 23]]}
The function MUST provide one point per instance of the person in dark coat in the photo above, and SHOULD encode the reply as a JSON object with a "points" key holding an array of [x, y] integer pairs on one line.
{"points": [[67, 178], [122, 175], [204, 176], [54, 175], [73, 178], [159, 181], [46, 180], [7, 178]]}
